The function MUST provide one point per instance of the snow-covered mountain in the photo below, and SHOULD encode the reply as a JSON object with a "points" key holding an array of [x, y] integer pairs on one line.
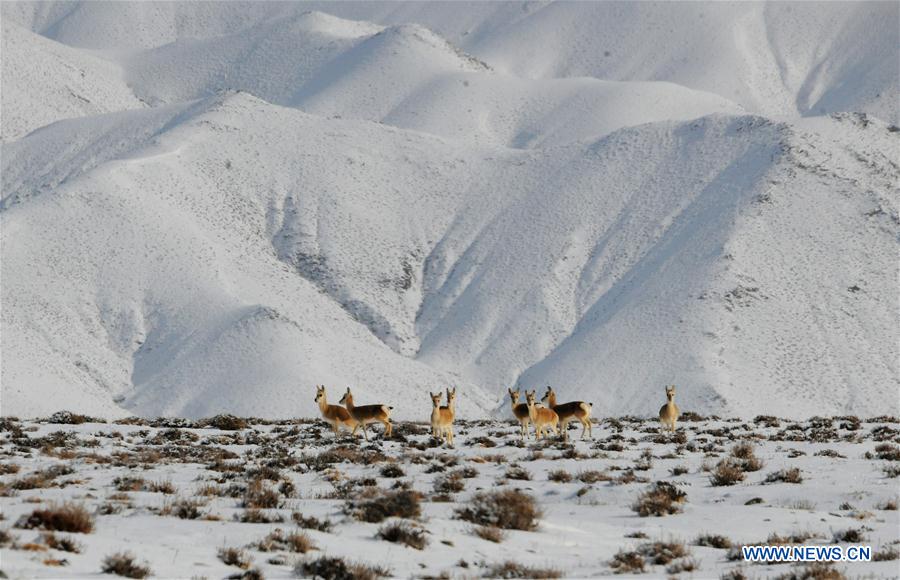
{"points": [[401, 197]]}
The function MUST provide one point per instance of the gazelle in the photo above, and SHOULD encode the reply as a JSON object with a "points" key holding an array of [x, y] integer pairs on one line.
{"points": [[335, 415], [442, 417], [573, 411], [668, 413], [541, 416], [365, 414], [520, 410]]}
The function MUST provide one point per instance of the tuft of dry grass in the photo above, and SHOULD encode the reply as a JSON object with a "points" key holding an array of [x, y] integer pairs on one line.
{"points": [[235, 557], [123, 564], [511, 569], [885, 554], [850, 536], [333, 568], [713, 541], [592, 476], [68, 517], [816, 571], [727, 472], [452, 482], [660, 499], [507, 509], [791, 475], [630, 562], [489, 533], [162, 486], [61, 543], [385, 504], [311, 522], [260, 496], [405, 533], [559, 476], [662, 553]]}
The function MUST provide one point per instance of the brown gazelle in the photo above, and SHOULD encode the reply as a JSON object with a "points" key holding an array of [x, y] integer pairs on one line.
{"points": [[365, 414], [572, 411], [541, 416], [335, 415], [668, 413], [520, 410], [442, 416]]}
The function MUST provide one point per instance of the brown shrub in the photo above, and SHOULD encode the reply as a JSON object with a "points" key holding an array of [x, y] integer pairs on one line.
{"points": [[559, 476], [449, 483], [713, 541], [401, 503], [330, 568], [227, 423], [123, 564], [661, 553], [61, 543], [511, 569], [260, 496], [727, 472], [311, 522], [507, 509], [68, 517], [791, 475], [592, 476], [403, 533], [489, 533], [235, 557], [817, 571], [627, 562], [660, 499]]}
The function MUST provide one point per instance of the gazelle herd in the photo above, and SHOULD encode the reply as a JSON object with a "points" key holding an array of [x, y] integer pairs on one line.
{"points": [[553, 417]]}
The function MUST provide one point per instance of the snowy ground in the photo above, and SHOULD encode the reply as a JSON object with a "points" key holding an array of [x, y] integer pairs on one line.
{"points": [[845, 466]]}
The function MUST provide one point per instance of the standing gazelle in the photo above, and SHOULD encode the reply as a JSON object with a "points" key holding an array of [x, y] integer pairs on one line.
{"points": [[335, 415], [541, 416], [365, 414], [520, 410], [442, 417], [668, 413], [573, 411]]}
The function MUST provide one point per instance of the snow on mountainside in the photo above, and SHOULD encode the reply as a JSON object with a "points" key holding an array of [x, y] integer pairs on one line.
{"points": [[44, 81], [380, 209]]}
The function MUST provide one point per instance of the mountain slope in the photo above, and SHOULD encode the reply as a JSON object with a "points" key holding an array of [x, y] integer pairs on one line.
{"points": [[780, 58], [44, 81], [253, 230]]}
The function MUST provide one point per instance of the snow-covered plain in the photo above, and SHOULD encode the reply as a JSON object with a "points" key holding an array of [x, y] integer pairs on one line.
{"points": [[211, 207], [172, 494]]}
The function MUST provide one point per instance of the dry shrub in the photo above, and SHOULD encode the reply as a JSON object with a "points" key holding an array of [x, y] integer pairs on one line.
{"points": [[592, 476], [660, 499], [885, 554], [311, 522], [713, 541], [850, 536], [791, 475], [127, 483], [401, 503], [685, 565], [185, 508], [559, 476], [887, 451], [61, 543], [661, 553], [507, 509], [162, 486], [255, 516], [727, 472], [277, 540], [449, 483], [403, 533], [330, 568], [227, 423], [489, 533], [8, 468], [123, 564], [260, 496], [68, 517], [511, 569], [392, 470], [235, 557], [41, 479], [889, 505], [518, 473], [816, 571], [627, 562]]}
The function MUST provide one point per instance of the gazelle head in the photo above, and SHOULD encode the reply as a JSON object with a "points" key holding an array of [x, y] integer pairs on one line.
{"points": [[435, 399], [670, 392], [547, 394], [530, 398], [451, 396], [513, 396], [320, 393], [348, 397]]}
